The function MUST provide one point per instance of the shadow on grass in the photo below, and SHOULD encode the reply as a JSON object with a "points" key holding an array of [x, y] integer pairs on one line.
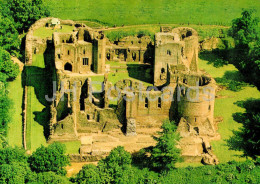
{"points": [[141, 72], [214, 58], [41, 79], [233, 80], [246, 139]]}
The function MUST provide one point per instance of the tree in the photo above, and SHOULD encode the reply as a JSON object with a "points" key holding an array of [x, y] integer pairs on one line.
{"points": [[165, 154], [23, 12], [51, 158], [246, 139], [51, 178], [9, 36], [10, 155], [16, 173], [246, 33], [7, 67], [88, 174], [113, 167]]}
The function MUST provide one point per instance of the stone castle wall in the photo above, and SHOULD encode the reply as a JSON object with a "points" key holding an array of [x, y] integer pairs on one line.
{"points": [[83, 52]]}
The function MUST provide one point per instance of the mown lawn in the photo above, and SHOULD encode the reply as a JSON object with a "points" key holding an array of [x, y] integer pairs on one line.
{"points": [[38, 113], [133, 12], [225, 107], [44, 32], [14, 133]]}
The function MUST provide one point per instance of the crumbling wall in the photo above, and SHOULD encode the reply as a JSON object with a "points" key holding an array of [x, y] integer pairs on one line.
{"points": [[130, 49]]}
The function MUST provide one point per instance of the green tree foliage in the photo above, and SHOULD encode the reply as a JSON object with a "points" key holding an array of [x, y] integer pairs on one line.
{"points": [[111, 168], [246, 139], [10, 155], [231, 172], [23, 12], [16, 173], [9, 36], [246, 33], [165, 154], [14, 167], [115, 168], [51, 178], [51, 158], [88, 174], [7, 67]]}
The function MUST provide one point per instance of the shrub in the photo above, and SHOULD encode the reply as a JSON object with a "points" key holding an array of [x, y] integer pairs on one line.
{"points": [[165, 154], [51, 158]]}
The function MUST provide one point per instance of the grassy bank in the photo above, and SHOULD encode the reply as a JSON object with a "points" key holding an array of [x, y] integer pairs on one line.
{"points": [[225, 107], [134, 12], [14, 133]]}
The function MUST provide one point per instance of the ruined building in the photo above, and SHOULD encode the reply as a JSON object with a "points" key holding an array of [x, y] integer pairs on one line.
{"points": [[181, 92]]}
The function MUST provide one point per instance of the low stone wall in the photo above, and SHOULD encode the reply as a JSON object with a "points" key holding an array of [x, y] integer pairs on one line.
{"points": [[86, 158]]}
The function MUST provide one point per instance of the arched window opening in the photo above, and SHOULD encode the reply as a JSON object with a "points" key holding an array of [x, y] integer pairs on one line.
{"points": [[108, 56], [146, 102], [196, 130], [68, 52], [134, 56], [62, 126], [162, 70], [159, 102], [68, 67], [189, 33], [185, 81], [84, 52], [169, 53]]}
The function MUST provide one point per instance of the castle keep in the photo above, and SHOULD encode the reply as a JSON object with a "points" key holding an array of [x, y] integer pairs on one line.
{"points": [[180, 91]]}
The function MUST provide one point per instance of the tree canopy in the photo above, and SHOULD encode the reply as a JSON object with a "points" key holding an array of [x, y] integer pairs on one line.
{"points": [[51, 158], [246, 139], [165, 154], [246, 33], [23, 13], [7, 66]]}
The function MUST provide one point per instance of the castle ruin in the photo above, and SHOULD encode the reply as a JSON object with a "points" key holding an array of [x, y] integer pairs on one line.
{"points": [[180, 91]]}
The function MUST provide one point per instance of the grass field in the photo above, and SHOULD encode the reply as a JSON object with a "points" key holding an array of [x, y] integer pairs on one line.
{"points": [[14, 133], [133, 12], [225, 107], [38, 108], [46, 32]]}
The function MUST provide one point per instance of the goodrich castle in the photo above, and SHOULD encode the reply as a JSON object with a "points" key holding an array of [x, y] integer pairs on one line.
{"points": [[180, 91]]}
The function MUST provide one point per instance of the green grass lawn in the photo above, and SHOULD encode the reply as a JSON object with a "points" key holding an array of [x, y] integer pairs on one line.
{"points": [[44, 32], [225, 107], [151, 11], [37, 108], [14, 133], [35, 129], [72, 147]]}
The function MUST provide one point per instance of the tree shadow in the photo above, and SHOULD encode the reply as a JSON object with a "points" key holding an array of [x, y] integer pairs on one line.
{"points": [[233, 80], [215, 58], [246, 139]]}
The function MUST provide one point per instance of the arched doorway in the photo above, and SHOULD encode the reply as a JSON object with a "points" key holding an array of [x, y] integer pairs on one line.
{"points": [[68, 67]]}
